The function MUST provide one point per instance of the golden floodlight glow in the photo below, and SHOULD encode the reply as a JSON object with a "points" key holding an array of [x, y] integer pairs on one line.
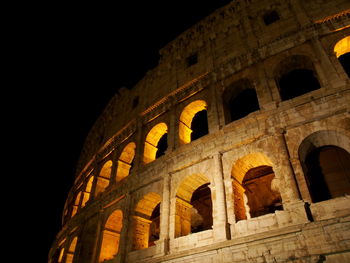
{"points": [[103, 178], [111, 236], [71, 250], [87, 192], [342, 46], [142, 223], [186, 119], [152, 140], [125, 160]]}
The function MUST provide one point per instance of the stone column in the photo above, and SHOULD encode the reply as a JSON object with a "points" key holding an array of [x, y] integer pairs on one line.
{"points": [[165, 214], [141, 233], [290, 193], [325, 65], [182, 218], [219, 203]]}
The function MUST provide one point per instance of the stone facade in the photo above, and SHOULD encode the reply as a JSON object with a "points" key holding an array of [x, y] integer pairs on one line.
{"points": [[131, 202]]}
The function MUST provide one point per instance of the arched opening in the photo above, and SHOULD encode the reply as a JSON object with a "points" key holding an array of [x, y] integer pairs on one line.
{"points": [[103, 178], [87, 192], [111, 236], [327, 173], [125, 161], [297, 82], [342, 51], [147, 221], [252, 193], [193, 121], [193, 206], [156, 143], [239, 100], [296, 76], [76, 204], [71, 250]]}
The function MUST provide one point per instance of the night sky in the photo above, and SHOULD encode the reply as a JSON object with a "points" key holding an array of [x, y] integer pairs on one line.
{"points": [[83, 54]]}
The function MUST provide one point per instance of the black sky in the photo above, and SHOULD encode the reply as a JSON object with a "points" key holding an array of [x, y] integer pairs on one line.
{"points": [[83, 53]]}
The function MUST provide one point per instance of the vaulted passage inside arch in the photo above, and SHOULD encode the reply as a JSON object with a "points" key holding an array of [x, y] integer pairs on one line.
{"points": [[193, 121], [156, 143], [252, 192], [342, 51], [102, 180], [111, 236], [125, 161], [193, 206], [199, 125], [327, 173], [147, 221], [239, 99], [297, 82]]}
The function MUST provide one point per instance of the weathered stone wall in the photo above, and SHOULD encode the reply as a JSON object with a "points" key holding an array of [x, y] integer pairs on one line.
{"points": [[232, 44]]}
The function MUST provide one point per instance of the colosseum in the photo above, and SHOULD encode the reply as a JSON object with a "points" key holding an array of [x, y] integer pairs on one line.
{"points": [[234, 148]]}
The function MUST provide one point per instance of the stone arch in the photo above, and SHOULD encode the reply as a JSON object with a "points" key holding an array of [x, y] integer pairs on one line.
{"points": [[76, 204], [146, 221], [193, 211], [325, 161], [87, 191], [125, 161], [196, 110], [102, 180], [253, 194], [111, 236], [239, 99], [71, 250], [295, 76], [342, 52], [153, 148]]}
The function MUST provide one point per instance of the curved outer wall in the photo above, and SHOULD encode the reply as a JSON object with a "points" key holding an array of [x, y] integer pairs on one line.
{"points": [[232, 44]]}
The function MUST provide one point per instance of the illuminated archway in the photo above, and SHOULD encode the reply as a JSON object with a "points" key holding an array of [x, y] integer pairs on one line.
{"points": [[103, 178], [111, 236], [125, 161], [342, 51], [87, 192], [325, 160], [71, 250], [147, 221], [196, 109], [252, 194], [76, 204], [153, 148], [193, 206]]}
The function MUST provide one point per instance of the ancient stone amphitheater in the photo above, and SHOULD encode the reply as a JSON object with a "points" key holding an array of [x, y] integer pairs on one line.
{"points": [[235, 148]]}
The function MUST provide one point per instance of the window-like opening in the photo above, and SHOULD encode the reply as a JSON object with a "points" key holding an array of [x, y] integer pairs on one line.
{"points": [[192, 60], [199, 125], [125, 161], [261, 200], [345, 62], [102, 180], [243, 104], [155, 138], [253, 195], [147, 221], [154, 229], [193, 121], [135, 102], [327, 173], [201, 212], [193, 206], [342, 51], [297, 82], [271, 17], [111, 236], [162, 145]]}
